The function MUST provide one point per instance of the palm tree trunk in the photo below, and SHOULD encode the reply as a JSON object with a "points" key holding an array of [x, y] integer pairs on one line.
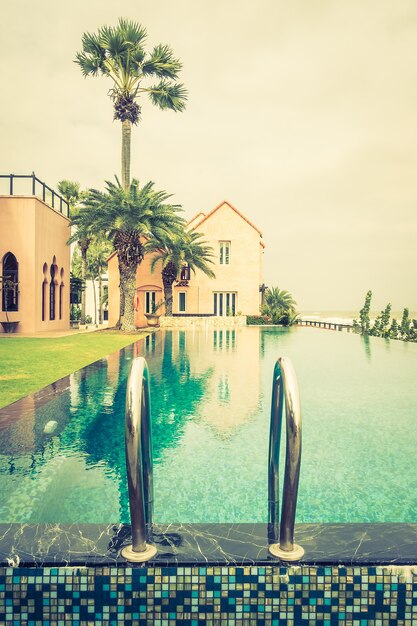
{"points": [[122, 305], [93, 282], [100, 299], [83, 276], [169, 274], [126, 137], [127, 294], [168, 298]]}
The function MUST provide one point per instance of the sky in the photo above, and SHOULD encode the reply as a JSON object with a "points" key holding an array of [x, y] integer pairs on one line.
{"points": [[301, 114]]}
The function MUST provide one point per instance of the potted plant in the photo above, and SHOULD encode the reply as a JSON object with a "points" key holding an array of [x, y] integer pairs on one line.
{"points": [[8, 285], [153, 316], [75, 314]]}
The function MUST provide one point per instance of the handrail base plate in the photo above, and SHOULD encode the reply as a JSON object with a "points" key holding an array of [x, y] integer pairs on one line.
{"points": [[295, 555], [139, 557]]}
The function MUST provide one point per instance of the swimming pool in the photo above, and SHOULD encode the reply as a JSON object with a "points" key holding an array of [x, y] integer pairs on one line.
{"points": [[210, 404]]}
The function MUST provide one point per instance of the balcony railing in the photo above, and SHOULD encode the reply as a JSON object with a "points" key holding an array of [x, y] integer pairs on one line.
{"points": [[31, 185]]}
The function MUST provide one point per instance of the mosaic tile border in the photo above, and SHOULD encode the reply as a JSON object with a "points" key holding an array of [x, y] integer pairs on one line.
{"points": [[164, 596]]}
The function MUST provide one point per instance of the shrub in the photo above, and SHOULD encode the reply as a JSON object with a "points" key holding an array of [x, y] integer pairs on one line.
{"points": [[75, 313], [255, 320]]}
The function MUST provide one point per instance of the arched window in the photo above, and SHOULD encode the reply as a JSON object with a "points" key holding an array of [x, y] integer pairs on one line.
{"points": [[44, 290], [52, 294], [61, 293], [10, 280]]}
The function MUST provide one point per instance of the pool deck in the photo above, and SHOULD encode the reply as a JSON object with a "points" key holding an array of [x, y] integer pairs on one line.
{"points": [[48, 334], [43, 545], [54, 334]]}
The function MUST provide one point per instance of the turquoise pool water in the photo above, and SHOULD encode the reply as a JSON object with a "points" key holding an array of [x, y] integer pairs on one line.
{"points": [[211, 396]]}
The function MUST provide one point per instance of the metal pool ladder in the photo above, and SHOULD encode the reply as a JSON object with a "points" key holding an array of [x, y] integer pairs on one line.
{"points": [[139, 461], [284, 385]]}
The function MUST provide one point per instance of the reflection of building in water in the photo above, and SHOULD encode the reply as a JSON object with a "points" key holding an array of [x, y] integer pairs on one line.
{"points": [[113, 367], [234, 374], [150, 343], [224, 339]]}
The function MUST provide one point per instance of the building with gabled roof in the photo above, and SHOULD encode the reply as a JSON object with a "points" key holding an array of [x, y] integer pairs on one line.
{"points": [[238, 265]]}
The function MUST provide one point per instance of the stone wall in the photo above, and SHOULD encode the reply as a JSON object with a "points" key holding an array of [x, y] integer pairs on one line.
{"points": [[202, 322]]}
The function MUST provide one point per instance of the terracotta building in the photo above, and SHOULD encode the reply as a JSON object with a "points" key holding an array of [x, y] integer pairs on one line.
{"points": [[238, 265], [34, 256]]}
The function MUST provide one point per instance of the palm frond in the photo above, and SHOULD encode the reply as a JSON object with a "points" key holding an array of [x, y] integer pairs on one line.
{"points": [[168, 96], [133, 32], [118, 52], [280, 306], [140, 210], [91, 58], [90, 65], [113, 42], [91, 44], [162, 63], [179, 248]]}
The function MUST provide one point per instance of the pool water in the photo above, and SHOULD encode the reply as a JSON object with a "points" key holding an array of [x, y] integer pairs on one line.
{"points": [[211, 394]]}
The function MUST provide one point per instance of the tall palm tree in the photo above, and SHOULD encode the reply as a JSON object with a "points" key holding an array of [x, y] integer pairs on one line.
{"points": [[127, 218], [70, 190], [180, 249], [118, 52], [98, 253], [280, 306]]}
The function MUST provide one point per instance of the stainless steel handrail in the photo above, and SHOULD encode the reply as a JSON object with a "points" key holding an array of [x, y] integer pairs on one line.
{"points": [[139, 461], [284, 387]]}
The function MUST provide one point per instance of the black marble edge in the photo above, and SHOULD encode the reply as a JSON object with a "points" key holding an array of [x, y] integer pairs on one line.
{"points": [[86, 545]]}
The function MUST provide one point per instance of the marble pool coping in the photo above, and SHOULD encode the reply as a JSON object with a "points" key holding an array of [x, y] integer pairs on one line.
{"points": [[43, 545]]}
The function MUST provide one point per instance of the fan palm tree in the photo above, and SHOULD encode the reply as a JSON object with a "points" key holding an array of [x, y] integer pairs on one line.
{"points": [[118, 52], [127, 218], [280, 306], [180, 249], [70, 190]]}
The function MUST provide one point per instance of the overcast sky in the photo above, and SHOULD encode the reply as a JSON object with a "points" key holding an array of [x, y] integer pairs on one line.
{"points": [[302, 114]]}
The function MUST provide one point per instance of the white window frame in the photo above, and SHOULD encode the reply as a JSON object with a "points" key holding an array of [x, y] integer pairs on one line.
{"points": [[220, 301], [150, 298], [184, 310], [224, 252]]}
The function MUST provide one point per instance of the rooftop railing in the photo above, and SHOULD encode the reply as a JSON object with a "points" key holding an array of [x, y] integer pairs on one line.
{"points": [[31, 185]]}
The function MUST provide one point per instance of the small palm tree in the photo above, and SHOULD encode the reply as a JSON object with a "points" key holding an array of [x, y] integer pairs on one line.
{"points": [[180, 249], [127, 218], [70, 190], [280, 306], [118, 52]]}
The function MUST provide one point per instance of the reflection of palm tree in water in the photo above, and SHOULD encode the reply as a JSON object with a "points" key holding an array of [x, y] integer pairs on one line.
{"points": [[367, 346], [95, 430], [175, 394]]}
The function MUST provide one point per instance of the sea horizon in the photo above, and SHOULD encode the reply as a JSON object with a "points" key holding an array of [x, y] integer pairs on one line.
{"points": [[338, 315]]}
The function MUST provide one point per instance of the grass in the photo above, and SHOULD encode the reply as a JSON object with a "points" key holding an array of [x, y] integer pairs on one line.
{"points": [[28, 364]]}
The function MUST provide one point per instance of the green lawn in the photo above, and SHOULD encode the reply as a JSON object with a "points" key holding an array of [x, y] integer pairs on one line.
{"points": [[28, 364]]}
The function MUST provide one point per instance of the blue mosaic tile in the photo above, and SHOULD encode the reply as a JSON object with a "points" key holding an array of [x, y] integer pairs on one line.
{"points": [[165, 596]]}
